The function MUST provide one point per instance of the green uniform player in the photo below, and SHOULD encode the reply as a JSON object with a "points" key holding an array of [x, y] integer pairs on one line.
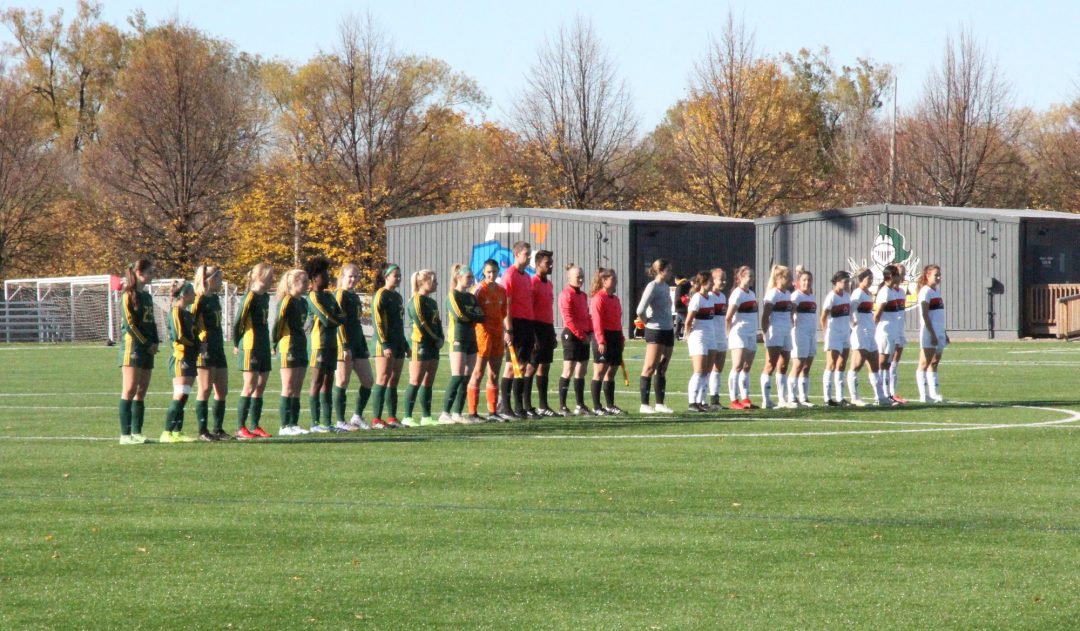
{"points": [[351, 332], [326, 325], [463, 312], [289, 337], [138, 330], [185, 350], [388, 313], [251, 332], [207, 311], [427, 332]]}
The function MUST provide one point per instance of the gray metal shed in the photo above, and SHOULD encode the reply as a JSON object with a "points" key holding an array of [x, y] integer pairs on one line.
{"points": [[627, 241], [999, 266]]}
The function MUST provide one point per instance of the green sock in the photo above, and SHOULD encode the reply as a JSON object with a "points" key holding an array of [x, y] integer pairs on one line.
{"points": [[179, 424], [242, 412], [377, 394], [219, 414], [410, 399], [256, 411], [425, 400], [362, 399], [316, 408], [451, 393], [392, 401], [138, 413], [125, 417], [339, 404], [285, 412], [463, 392], [327, 407], [202, 409], [170, 416], [294, 410]]}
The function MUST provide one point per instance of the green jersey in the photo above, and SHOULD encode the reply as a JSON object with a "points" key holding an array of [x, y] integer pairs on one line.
{"points": [[207, 311], [424, 314], [462, 312], [351, 333], [388, 312], [182, 334], [289, 328], [326, 320], [251, 329], [138, 321]]}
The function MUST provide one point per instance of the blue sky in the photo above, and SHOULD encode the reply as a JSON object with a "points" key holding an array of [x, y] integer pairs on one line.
{"points": [[655, 44]]}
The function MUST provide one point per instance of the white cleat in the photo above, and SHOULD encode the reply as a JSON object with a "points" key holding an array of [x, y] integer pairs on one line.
{"points": [[805, 404], [359, 422], [938, 399], [646, 409], [445, 419], [859, 403], [660, 408]]}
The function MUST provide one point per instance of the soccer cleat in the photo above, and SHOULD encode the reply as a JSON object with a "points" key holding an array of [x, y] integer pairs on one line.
{"points": [[408, 421], [768, 404], [505, 417], [565, 411], [392, 423], [358, 421], [377, 423], [646, 409], [600, 412], [244, 434], [456, 417], [166, 437], [125, 439], [790, 405], [735, 405], [938, 399], [549, 413], [138, 439], [259, 432], [614, 410], [319, 429], [749, 405], [832, 404], [427, 421], [898, 399], [222, 435], [859, 403], [582, 410], [335, 429], [844, 403], [521, 415], [346, 427], [695, 407], [660, 408], [805, 404], [494, 418], [445, 419], [886, 402], [206, 437], [181, 437]]}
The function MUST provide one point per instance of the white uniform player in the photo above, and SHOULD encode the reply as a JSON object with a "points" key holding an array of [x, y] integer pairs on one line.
{"points": [[779, 333], [891, 301], [719, 306], [804, 332], [837, 309], [862, 335], [744, 324], [936, 310], [699, 340]]}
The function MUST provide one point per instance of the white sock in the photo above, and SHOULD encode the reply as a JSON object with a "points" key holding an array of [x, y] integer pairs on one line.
{"points": [[733, 384], [932, 384], [766, 388], [827, 385], [714, 383], [804, 388], [893, 378], [744, 385], [876, 385], [691, 390], [702, 386], [853, 384], [920, 382], [783, 388], [883, 379], [838, 384]]}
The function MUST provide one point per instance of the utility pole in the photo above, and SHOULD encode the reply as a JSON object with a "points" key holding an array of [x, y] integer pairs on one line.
{"points": [[299, 203], [892, 147]]}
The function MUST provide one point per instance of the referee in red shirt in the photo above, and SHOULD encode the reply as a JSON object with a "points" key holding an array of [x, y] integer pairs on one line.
{"points": [[543, 353], [519, 333]]}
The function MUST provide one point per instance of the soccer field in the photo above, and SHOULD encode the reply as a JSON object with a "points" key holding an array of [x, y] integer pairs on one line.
{"points": [[962, 515]]}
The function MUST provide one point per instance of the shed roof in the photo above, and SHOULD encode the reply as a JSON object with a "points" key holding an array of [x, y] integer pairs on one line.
{"points": [[609, 216], [1009, 215]]}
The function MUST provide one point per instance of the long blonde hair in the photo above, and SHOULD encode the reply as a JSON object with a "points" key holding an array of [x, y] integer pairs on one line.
{"points": [[288, 279], [420, 277], [260, 271], [203, 274], [599, 277], [345, 269], [777, 272]]}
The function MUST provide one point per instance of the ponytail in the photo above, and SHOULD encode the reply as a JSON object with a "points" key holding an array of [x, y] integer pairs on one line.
{"points": [[924, 277], [420, 277], [131, 281], [203, 274]]}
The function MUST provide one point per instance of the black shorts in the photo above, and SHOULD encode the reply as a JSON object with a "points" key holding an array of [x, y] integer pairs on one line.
{"points": [[657, 336], [612, 355], [544, 350], [573, 349], [523, 339]]}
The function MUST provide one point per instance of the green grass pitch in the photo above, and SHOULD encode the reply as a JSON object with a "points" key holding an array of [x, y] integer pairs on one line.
{"points": [[957, 516]]}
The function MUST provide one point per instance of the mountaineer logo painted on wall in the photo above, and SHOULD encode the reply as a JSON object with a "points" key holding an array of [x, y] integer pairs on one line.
{"points": [[890, 247], [492, 248]]}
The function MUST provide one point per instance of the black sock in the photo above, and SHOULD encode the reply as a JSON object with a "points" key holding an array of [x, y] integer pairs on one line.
{"points": [[505, 386], [609, 393], [138, 413], [362, 399], [518, 389], [541, 390], [125, 417], [564, 389], [597, 386], [661, 388], [219, 414], [178, 424], [256, 411], [526, 391], [646, 385], [579, 391], [451, 393], [202, 410]]}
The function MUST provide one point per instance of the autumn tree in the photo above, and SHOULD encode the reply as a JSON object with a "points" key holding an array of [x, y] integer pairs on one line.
{"points": [[960, 144], [578, 117], [32, 182], [740, 144], [180, 138]]}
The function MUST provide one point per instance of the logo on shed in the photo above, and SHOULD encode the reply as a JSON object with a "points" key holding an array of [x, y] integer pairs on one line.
{"points": [[890, 247]]}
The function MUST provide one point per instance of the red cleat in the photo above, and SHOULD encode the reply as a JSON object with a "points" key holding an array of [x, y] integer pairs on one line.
{"points": [[747, 404], [898, 399], [261, 433], [377, 423], [244, 434], [736, 405], [392, 423]]}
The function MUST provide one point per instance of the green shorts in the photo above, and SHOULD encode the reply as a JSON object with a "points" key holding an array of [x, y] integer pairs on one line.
{"points": [[325, 359], [467, 346], [424, 351], [212, 358], [185, 367], [358, 348], [255, 360], [399, 349], [135, 355]]}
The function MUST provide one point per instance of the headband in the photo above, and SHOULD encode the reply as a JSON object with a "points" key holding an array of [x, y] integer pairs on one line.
{"points": [[464, 271], [390, 269]]}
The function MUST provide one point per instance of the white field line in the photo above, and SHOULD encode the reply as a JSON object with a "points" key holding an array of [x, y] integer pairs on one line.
{"points": [[1071, 417]]}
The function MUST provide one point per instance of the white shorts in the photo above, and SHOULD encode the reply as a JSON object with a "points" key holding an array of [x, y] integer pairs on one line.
{"points": [[863, 340], [924, 341], [739, 338], [778, 338], [699, 342], [837, 340], [901, 338], [885, 341], [719, 340], [803, 344]]}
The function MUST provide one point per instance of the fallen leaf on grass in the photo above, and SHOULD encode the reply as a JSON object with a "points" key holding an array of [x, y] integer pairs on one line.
{"points": [[358, 616], [1038, 599], [736, 504], [67, 475], [56, 555], [143, 550], [356, 561], [49, 537]]}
